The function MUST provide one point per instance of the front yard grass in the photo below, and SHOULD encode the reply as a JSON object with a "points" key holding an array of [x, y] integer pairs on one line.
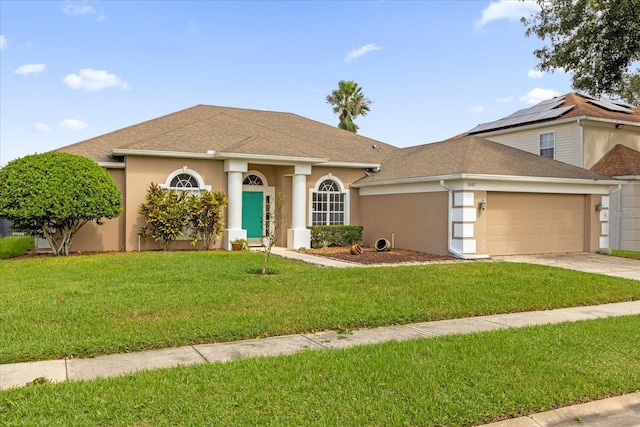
{"points": [[447, 381], [83, 306], [626, 254]]}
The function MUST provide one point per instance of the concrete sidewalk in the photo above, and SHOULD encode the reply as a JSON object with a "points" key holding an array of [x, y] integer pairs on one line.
{"points": [[619, 411]]}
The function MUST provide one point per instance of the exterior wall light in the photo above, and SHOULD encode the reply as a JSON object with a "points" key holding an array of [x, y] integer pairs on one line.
{"points": [[482, 205], [598, 206]]}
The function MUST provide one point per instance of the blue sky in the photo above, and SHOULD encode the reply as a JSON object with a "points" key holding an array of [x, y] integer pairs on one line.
{"points": [[71, 70]]}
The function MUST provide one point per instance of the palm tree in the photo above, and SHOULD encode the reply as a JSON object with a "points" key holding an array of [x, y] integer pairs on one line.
{"points": [[349, 102]]}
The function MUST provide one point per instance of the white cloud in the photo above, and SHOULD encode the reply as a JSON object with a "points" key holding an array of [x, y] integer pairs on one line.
{"points": [[72, 124], [81, 7], [30, 69], [507, 9], [77, 8], [355, 54], [3, 42], [94, 80], [477, 109], [42, 128], [504, 100], [535, 74], [538, 95]]}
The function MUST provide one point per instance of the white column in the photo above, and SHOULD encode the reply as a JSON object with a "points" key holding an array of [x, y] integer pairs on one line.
{"points": [[298, 236], [234, 170]]}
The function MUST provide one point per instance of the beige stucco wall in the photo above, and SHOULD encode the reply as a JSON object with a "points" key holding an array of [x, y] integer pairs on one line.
{"points": [[142, 171], [599, 138], [415, 221], [107, 237]]}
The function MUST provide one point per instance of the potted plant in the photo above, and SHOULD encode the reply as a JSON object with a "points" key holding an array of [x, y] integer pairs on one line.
{"points": [[240, 245]]}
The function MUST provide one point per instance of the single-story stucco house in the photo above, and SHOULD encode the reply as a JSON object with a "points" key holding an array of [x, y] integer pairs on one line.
{"points": [[466, 196]]}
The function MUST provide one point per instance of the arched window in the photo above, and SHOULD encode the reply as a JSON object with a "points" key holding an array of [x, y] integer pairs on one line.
{"points": [[185, 179], [328, 205], [252, 179]]}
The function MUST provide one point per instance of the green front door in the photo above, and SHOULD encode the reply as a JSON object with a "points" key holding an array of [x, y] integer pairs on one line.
{"points": [[252, 206]]}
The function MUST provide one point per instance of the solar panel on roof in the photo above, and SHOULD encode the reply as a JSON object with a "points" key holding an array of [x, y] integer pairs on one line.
{"points": [[527, 115], [608, 105]]}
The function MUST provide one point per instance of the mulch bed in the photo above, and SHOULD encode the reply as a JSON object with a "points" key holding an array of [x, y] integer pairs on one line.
{"points": [[371, 256]]}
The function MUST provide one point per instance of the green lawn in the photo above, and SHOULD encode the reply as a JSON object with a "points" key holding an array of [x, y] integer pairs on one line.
{"points": [[14, 246], [82, 306], [626, 254], [446, 381]]}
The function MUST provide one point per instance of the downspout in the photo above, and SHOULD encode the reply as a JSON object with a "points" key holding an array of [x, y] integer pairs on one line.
{"points": [[450, 229], [618, 216], [581, 142]]}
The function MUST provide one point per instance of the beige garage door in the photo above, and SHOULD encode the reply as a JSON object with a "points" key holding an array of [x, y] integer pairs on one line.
{"points": [[521, 223]]}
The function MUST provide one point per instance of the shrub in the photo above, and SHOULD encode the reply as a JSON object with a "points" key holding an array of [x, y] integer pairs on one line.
{"points": [[54, 194], [335, 235]]}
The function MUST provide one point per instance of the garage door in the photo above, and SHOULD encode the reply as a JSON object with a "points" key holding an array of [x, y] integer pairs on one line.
{"points": [[521, 223]]}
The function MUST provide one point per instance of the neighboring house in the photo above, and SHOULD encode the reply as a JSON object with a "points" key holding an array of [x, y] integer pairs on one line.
{"points": [[468, 196], [623, 163], [576, 129]]}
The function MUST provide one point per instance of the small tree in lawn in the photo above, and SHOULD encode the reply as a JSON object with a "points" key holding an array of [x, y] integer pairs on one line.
{"points": [[272, 227], [205, 214], [166, 215], [54, 194]]}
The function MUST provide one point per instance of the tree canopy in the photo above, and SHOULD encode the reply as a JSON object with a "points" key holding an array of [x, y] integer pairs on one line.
{"points": [[54, 194], [596, 40], [348, 102]]}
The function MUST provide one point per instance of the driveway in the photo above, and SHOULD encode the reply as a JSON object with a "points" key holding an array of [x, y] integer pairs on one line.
{"points": [[588, 262]]}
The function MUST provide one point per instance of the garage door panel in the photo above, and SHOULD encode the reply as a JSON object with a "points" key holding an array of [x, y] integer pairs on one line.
{"points": [[520, 223]]}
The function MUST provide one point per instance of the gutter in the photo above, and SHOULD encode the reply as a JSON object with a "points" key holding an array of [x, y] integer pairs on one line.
{"points": [[619, 216], [450, 229]]}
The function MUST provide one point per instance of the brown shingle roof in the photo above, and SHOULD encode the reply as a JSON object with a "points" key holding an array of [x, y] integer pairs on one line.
{"points": [[234, 130], [562, 107], [619, 161], [472, 155]]}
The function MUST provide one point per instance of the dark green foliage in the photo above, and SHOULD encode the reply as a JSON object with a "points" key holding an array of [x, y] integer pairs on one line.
{"points": [[596, 40], [348, 102], [14, 246], [166, 214], [169, 213], [205, 215], [54, 194], [335, 235]]}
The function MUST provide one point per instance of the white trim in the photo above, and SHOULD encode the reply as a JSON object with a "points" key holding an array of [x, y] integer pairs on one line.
{"points": [[463, 214], [266, 190], [158, 153], [353, 165], [269, 159], [112, 165], [185, 170], [484, 177], [259, 174], [465, 229], [553, 132], [343, 190], [464, 246], [462, 198]]}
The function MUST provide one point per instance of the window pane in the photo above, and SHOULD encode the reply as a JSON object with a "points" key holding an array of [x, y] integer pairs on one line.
{"points": [[328, 204]]}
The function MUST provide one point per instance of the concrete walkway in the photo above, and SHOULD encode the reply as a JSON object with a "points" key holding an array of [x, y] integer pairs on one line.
{"points": [[582, 261], [587, 262]]}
